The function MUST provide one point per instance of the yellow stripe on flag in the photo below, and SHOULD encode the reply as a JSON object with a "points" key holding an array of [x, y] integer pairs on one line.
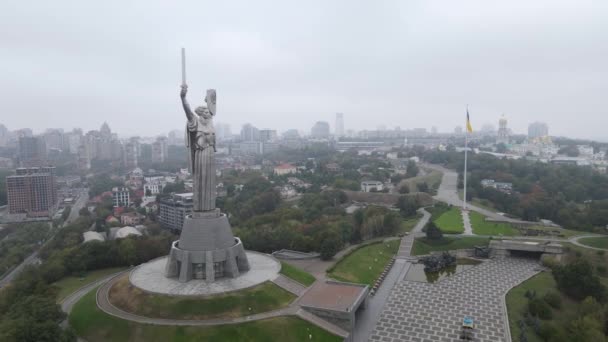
{"points": [[469, 128]]}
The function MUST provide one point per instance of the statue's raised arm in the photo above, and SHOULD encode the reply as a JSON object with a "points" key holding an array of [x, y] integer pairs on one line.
{"points": [[185, 103]]}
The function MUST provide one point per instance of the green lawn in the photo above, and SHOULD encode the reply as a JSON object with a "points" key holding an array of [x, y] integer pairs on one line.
{"points": [[450, 222], [69, 285], [261, 298], [94, 325], [423, 246], [409, 223], [483, 227], [365, 264], [517, 303], [597, 242], [297, 274]]}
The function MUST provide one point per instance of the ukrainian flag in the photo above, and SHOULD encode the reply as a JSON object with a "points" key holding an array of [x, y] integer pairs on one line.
{"points": [[469, 128]]}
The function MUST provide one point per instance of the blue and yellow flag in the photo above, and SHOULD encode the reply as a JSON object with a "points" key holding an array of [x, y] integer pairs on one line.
{"points": [[469, 128]]}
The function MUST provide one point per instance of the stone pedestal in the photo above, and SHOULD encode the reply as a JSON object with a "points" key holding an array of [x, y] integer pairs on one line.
{"points": [[206, 249]]}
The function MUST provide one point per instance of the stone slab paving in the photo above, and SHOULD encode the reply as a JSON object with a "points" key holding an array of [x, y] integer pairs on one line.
{"points": [[289, 285], [422, 312], [151, 277], [466, 221]]}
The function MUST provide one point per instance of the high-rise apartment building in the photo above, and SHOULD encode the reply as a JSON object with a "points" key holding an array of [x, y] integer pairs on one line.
{"points": [[4, 135], [32, 191], [160, 150], [174, 209], [267, 135], [250, 133], [339, 125], [320, 130], [130, 154], [32, 151], [120, 197]]}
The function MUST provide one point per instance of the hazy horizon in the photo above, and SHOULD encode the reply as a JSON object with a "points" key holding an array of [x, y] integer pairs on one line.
{"points": [[278, 65]]}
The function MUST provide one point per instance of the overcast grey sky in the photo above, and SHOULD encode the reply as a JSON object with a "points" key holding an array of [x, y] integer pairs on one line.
{"points": [[286, 64]]}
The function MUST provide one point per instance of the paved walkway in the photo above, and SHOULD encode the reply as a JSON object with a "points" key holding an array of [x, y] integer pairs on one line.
{"points": [[466, 221], [418, 311], [448, 193], [334, 329], [574, 240], [289, 285], [407, 241]]}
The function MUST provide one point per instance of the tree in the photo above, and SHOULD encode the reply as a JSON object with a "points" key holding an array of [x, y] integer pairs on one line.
{"points": [[407, 205], [578, 281], [84, 211], [126, 251], [539, 308], [412, 170], [404, 189], [329, 247], [423, 187], [433, 232]]}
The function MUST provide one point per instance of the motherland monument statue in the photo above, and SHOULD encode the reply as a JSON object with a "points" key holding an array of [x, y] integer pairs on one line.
{"points": [[206, 249]]}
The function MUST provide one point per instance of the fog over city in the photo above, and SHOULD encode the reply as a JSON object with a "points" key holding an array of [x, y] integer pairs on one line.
{"points": [[288, 64]]}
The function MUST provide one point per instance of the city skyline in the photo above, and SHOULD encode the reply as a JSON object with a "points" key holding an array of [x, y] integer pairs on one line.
{"points": [[412, 65]]}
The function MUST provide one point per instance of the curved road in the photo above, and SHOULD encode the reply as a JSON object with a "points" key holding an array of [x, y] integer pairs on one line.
{"points": [[448, 193]]}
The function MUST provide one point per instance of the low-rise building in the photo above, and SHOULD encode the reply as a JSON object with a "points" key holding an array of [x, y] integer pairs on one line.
{"points": [[93, 236], [371, 186], [285, 169], [131, 218], [121, 233]]}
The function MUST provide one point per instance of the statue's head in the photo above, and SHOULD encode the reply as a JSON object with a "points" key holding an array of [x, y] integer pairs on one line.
{"points": [[203, 111]]}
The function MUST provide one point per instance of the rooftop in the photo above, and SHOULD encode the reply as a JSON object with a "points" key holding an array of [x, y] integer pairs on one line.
{"points": [[336, 296]]}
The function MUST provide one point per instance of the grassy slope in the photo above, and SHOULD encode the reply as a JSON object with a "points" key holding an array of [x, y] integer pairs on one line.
{"points": [[261, 298], [409, 223], [450, 222], [68, 285], [95, 325], [355, 267], [483, 227], [297, 274], [543, 283], [598, 242], [423, 246], [517, 303]]}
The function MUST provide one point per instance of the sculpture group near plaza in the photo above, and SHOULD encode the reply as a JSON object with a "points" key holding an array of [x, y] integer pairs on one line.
{"points": [[206, 249]]}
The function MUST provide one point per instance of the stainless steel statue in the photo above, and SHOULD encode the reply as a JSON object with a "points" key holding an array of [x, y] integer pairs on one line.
{"points": [[200, 140], [206, 248]]}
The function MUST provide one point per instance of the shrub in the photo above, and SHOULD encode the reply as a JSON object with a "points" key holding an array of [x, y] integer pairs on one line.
{"points": [[601, 269], [578, 281], [433, 232], [601, 253], [548, 331], [553, 299], [538, 307]]}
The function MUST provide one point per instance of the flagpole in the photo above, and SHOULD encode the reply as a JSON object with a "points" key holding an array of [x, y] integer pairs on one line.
{"points": [[466, 148]]}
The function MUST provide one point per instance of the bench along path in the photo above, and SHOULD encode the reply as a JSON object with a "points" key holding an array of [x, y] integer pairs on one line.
{"points": [[417, 311]]}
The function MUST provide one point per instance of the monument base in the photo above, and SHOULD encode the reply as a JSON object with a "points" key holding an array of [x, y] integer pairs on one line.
{"points": [[206, 250]]}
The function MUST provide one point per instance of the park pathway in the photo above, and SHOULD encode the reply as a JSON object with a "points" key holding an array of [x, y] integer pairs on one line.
{"points": [[289, 285], [367, 318], [407, 241], [466, 221]]}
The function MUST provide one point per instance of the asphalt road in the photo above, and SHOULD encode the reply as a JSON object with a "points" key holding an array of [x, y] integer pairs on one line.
{"points": [[448, 193]]}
